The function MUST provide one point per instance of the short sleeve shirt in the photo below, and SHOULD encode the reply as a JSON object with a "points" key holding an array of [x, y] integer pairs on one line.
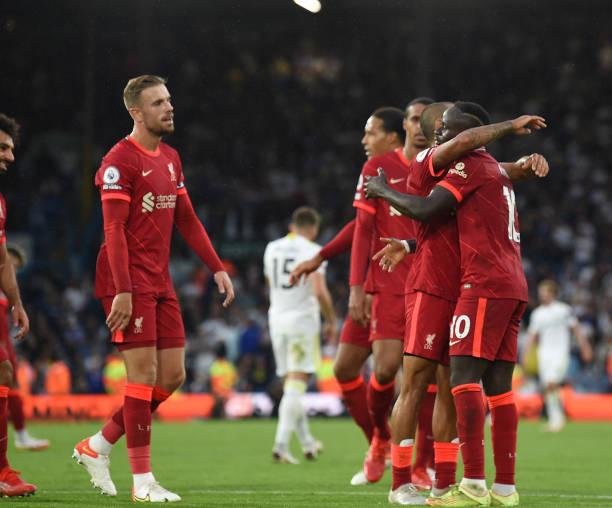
{"points": [[487, 220]]}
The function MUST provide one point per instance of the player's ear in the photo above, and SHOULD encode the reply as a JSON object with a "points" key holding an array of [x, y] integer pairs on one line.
{"points": [[136, 114]]}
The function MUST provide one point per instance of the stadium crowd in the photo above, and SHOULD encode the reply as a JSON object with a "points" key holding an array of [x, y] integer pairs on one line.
{"points": [[272, 122]]}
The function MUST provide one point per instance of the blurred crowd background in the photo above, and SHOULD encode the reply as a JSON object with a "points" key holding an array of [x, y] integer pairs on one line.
{"points": [[270, 103]]}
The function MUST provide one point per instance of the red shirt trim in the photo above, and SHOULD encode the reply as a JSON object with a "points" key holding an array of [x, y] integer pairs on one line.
{"points": [[452, 189], [148, 152], [116, 195], [432, 171], [400, 154], [363, 206]]}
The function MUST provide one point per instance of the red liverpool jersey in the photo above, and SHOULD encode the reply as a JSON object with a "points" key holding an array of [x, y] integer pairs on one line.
{"points": [[487, 219], [389, 223], [2, 219], [150, 182], [436, 264]]}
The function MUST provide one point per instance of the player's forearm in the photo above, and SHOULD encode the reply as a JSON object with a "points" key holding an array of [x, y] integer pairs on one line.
{"points": [[192, 230], [339, 243], [326, 306], [468, 140], [361, 246], [9, 284], [415, 207]]}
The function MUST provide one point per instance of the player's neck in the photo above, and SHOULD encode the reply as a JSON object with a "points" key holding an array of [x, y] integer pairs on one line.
{"points": [[145, 139], [410, 151]]}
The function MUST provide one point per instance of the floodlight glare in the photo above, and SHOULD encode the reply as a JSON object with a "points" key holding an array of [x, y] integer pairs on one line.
{"points": [[313, 6]]}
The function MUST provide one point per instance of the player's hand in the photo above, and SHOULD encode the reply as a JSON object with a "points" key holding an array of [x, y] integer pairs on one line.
{"points": [[374, 186], [534, 164], [224, 283], [121, 312], [368, 307], [304, 269], [357, 306], [391, 254], [523, 124], [330, 334], [20, 320]]}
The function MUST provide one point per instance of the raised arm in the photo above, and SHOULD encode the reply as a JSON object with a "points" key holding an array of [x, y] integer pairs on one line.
{"points": [[476, 137]]}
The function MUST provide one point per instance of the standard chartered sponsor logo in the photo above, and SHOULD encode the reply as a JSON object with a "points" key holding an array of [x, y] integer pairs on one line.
{"points": [[148, 202], [151, 202]]}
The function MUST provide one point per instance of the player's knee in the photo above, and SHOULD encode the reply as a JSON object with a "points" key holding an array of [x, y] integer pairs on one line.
{"points": [[172, 381], [6, 373], [385, 372], [345, 373]]}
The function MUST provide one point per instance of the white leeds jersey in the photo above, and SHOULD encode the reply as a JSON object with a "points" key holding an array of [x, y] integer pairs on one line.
{"points": [[552, 323], [290, 303]]}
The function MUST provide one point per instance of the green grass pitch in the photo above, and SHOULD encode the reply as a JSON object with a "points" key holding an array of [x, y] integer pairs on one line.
{"points": [[227, 463]]}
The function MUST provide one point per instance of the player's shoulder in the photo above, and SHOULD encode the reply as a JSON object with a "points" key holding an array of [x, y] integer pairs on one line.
{"points": [[423, 155], [169, 151], [370, 167], [123, 154]]}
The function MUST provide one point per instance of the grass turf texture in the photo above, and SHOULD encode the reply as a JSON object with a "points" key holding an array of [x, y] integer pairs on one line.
{"points": [[227, 463]]}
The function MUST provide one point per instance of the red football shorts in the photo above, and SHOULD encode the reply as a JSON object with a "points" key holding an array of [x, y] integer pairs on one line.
{"points": [[427, 320], [486, 328], [388, 317], [352, 333], [156, 322]]}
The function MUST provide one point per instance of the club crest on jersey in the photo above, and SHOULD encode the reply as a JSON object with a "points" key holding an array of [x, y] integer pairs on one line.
{"points": [[138, 324], [111, 175], [172, 173], [429, 341]]}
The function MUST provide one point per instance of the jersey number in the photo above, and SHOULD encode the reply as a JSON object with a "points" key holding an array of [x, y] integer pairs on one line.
{"points": [[513, 234], [460, 327], [282, 269]]}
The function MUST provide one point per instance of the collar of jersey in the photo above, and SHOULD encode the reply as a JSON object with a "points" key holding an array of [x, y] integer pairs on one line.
{"points": [[148, 152]]}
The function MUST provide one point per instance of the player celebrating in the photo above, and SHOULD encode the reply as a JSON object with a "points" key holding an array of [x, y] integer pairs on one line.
{"points": [[390, 139], [484, 327], [143, 195], [23, 439], [10, 483], [295, 324], [550, 324]]}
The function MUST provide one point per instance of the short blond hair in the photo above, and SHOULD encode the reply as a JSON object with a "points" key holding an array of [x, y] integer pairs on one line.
{"points": [[135, 86], [549, 284], [306, 217]]}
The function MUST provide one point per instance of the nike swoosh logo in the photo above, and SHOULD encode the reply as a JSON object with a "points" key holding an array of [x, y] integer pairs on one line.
{"points": [[396, 180], [453, 342], [145, 173]]}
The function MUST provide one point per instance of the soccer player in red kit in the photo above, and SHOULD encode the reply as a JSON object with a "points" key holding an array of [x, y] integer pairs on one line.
{"points": [[355, 344], [143, 195], [23, 439], [492, 296], [10, 483]]}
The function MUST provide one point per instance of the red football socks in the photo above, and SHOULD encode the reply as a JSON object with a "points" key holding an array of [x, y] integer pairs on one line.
{"points": [[401, 460], [470, 428], [15, 405], [3, 426], [114, 428], [380, 399], [425, 443], [354, 395], [137, 422], [504, 423], [446, 463]]}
